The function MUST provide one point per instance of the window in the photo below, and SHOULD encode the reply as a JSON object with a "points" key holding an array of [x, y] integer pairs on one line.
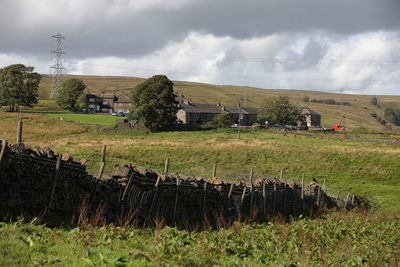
{"points": [[91, 99], [120, 104], [92, 106], [105, 103]]}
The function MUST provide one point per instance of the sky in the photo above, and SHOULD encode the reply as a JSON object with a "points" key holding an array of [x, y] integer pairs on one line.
{"points": [[323, 45]]}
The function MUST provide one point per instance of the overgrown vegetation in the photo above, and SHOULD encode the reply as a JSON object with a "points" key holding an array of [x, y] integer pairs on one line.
{"points": [[338, 239]]}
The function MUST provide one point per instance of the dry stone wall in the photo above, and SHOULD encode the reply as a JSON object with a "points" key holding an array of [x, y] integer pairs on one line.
{"points": [[37, 180]]}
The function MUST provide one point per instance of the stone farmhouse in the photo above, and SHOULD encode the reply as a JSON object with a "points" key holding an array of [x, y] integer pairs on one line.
{"points": [[193, 113], [107, 103]]}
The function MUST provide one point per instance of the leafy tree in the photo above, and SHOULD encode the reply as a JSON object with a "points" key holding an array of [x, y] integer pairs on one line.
{"points": [[306, 99], [70, 91], [280, 110], [374, 101], [154, 103], [222, 120], [18, 86]]}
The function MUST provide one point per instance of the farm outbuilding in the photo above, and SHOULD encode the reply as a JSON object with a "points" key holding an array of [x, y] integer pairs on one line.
{"points": [[312, 118]]}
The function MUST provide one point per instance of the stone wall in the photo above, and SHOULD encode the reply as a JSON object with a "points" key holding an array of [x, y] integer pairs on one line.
{"points": [[37, 180]]}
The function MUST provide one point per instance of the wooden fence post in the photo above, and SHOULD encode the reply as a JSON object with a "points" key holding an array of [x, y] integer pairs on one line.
{"points": [[347, 200], [274, 197], [352, 200], [264, 198], [203, 208], [19, 132], [178, 182], [284, 196], [302, 186], [154, 197], [58, 164], [102, 161], [281, 175], [166, 165], [318, 196], [337, 196], [251, 190], [3, 149], [214, 171]]}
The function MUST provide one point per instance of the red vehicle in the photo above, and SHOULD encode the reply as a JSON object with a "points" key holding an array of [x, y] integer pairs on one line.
{"points": [[338, 127]]}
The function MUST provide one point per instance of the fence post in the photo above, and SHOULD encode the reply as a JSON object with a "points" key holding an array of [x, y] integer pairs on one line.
{"points": [[102, 161], [318, 196], [214, 171], [347, 200], [166, 165], [274, 197], [19, 132], [229, 196], [281, 175], [176, 197], [251, 190], [154, 196], [264, 198], [302, 186], [337, 196], [203, 208], [58, 164], [3, 149]]}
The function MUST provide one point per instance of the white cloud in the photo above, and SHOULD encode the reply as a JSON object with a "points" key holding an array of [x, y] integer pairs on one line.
{"points": [[365, 63]]}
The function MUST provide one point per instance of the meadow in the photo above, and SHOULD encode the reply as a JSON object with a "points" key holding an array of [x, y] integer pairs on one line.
{"points": [[367, 166]]}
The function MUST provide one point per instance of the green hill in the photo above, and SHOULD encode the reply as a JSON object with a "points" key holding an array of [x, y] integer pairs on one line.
{"points": [[355, 116]]}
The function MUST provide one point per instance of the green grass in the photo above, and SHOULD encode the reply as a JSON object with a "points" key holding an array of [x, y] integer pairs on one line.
{"points": [[337, 239], [107, 121]]}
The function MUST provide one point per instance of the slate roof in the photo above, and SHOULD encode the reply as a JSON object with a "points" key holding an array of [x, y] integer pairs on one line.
{"points": [[215, 109], [307, 111]]}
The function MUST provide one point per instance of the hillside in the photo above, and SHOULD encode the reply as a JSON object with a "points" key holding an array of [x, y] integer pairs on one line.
{"points": [[355, 116]]}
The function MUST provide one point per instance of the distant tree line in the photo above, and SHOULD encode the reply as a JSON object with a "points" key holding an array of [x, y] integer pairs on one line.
{"points": [[325, 101]]}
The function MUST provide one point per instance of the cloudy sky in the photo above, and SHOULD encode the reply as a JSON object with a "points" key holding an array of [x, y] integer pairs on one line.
{"points": [[322, 45]]}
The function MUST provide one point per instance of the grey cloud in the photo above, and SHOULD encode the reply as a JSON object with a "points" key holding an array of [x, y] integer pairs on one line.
{"points": [[135, 34]]}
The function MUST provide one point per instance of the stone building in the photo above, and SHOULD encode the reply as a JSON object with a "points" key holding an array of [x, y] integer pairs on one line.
{"points": [[312, 118], [193, 113], [107, 103]]}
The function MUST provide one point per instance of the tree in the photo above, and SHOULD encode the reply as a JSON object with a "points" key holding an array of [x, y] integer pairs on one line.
{"points": [[222, 120], [154, 103], [374, 101], [70, 91], [280, 110], [18, 86]]}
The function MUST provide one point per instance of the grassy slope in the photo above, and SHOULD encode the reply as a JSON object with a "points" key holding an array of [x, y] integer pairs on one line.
{"points": [[355, 116]]}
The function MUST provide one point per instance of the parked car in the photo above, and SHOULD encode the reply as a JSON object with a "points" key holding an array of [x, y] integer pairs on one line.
{"points": [[114, 114]]}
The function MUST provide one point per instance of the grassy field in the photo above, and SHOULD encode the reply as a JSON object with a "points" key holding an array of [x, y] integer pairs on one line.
{"points": [[368, 166], [355, 116]]}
